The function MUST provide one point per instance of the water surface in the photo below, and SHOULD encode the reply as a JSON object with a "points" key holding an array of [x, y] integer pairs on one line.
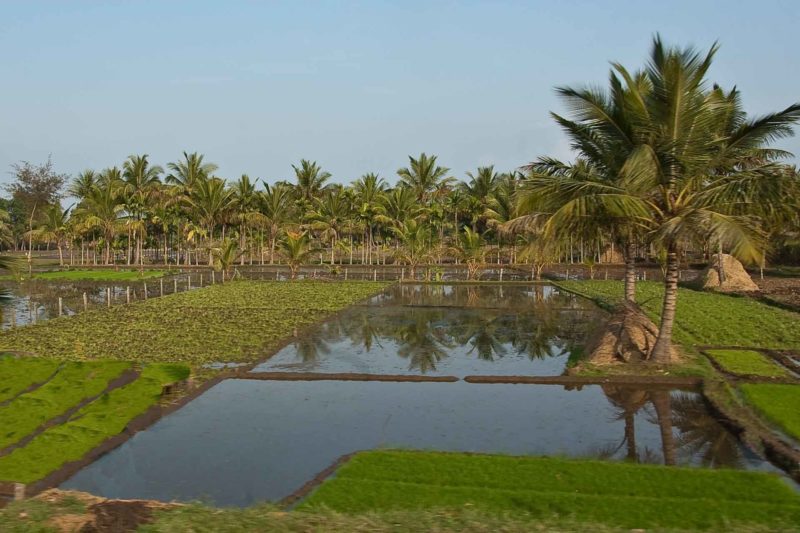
{"points": [[247, 441]]}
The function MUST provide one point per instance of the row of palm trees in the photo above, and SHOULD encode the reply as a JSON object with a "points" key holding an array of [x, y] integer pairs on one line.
{"points": [[190, 215]]}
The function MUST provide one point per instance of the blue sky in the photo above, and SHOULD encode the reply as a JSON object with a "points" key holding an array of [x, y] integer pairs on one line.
{"points": [[358, 86]]}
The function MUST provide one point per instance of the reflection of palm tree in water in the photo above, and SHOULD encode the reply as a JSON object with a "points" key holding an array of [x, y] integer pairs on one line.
{"points": [[485, 334], [700, 433], [421, 343]]}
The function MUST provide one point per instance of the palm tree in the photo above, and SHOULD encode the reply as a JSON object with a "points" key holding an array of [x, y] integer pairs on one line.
{"points": [[422, 175], [471, 250], [185, 174], [329, 215], [296, 248], [245, 206], [479, 190], [275, 204], [225, 256], [101, 210], [400, 205], [416, 240], [370, 191], [82, 184], [211, 200], [141, 180], [310, 180], [698, 149], [54, 227]]}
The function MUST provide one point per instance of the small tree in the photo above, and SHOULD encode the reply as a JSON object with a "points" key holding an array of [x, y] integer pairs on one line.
{"points": [[225, 255], [296, 248], [416, 241], [471, 251]]}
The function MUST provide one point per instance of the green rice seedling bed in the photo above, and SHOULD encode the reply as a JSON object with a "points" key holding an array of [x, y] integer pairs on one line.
{"points": [[73, 383], [90, 426]]}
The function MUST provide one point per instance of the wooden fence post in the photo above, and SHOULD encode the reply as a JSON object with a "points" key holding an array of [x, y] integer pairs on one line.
{"points": [[145, 290], [60, 306], [189, 282], [174, 285], [85, 302], [161, 286], [501, 274], [108, 295], [127, 295], [374, 274]]}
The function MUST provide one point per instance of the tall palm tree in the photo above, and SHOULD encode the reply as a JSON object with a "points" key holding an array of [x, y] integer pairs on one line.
{"points": [[245, 207], [275, 204], [311, 180], [211, 200], [141, 180], [101, 209], [422, 175], [370, 190], [329, 216], [82, 184], [479, 190], [698, 148], [186, 173], [400, 205]]}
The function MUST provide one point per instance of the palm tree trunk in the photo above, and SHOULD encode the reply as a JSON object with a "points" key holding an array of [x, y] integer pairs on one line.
{"points": [[630, 273], [241, 245], [630, 435], [662, 350], [60, 255], [663, 406]]}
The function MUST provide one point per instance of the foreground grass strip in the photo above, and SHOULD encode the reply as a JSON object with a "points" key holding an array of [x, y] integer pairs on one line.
{"points": [[706, 318], [748, 363], [19, 374], [43, 513], [90, 426], [73, 383], [238, 321], [779, 403], [615, 494]]}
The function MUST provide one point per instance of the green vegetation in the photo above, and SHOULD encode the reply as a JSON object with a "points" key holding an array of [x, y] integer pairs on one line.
{"points": [[236, 321], [747, 363], [19, 374], [706, 318], [73, 383], [615, 494], [88, 427], [96, 275], [779, 403]]}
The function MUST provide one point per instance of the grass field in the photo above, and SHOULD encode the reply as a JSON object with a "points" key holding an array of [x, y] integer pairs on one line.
{"points": [[88, 427], [235, 321], [748, 363], [614, 494], [779, 403], [706, 318], [94, 275]]}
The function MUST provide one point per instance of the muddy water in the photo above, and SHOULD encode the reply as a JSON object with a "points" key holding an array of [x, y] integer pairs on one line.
{"points": [[246, 441], [447, 330]]}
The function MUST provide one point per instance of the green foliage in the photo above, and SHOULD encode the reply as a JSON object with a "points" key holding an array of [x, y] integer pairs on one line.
{"points": [[779, 403], [88, 427], [17, 374], [706, 318], [236, 321], [747, 363], [614, 494]]}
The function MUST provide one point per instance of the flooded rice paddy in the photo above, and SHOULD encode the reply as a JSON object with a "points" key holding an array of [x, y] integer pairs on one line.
{"points": [[245, 440], [453, 330]]}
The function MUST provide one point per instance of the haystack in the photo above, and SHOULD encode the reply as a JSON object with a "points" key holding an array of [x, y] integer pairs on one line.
{"points": [[735, 277], [629, 336]]}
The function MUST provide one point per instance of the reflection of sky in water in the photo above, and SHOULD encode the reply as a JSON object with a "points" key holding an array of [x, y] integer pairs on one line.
{"points": [[248, 441], [446, 330]]}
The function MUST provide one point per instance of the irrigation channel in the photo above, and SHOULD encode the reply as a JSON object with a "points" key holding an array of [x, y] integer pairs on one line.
{"points": [[400, 371]]}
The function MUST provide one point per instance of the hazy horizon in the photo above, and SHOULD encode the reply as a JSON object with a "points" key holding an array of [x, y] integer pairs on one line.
{"points": [[357, 87]]}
